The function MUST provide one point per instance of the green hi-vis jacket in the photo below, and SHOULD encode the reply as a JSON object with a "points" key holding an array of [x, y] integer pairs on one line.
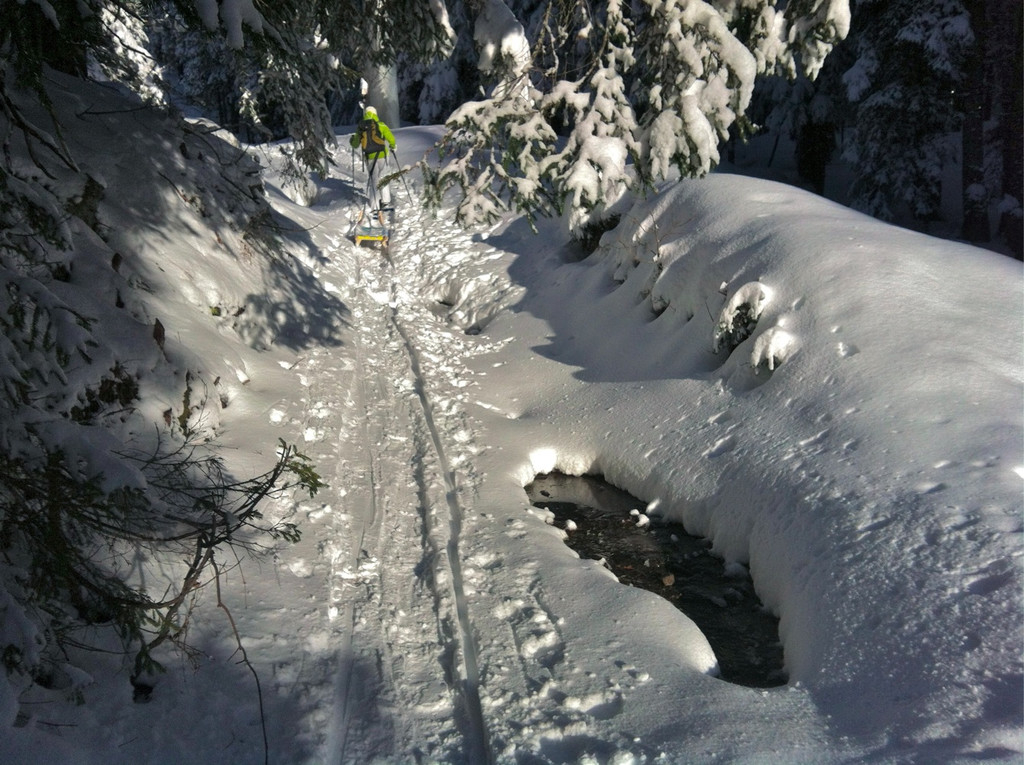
{"points": [[385, 131]]}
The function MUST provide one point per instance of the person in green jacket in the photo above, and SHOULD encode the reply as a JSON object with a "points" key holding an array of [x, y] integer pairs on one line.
{"points": [[376, 139]]}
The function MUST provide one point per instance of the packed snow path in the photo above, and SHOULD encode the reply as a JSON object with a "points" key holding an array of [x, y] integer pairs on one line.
{"points": [[398, 592]]}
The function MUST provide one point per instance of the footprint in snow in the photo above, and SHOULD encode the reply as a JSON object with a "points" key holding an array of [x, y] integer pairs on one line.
{"points": [[722, 446]]}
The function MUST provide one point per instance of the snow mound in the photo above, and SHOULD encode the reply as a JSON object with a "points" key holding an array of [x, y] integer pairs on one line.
{"points": [[773, 347], [739, 317]]}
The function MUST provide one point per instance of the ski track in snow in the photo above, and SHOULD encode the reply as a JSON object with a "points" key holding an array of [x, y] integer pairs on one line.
{"points": [[407, 564], [390, 533]]}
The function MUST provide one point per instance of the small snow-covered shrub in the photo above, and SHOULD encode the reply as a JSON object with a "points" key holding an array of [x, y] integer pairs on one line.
{"points": [[589, 235], [773, 347], [738, 319]]}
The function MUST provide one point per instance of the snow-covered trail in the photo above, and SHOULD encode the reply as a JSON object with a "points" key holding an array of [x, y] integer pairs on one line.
{"points": [[384, 425], [443, 652], [410, 618]]}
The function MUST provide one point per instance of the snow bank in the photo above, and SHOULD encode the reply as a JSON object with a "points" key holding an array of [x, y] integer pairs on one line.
{"points": [[857, 448]]}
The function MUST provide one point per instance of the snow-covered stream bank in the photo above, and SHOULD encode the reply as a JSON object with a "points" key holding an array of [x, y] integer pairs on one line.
{"points": [[870, 479], [606, 524]]}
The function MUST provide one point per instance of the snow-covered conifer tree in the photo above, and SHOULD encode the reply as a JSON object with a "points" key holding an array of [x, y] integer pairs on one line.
{"points": [[697, 80], [603, 141], [921, 85], [924, 92], [431, 90], [500, 142], [616, 96], [903, 82]]}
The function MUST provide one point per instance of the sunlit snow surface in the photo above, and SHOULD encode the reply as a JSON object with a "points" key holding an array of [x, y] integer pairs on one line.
{"points": [[860, 451]]}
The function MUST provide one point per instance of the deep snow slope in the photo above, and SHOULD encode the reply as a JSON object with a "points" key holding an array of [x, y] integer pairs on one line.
{"points": [[861, 451]]}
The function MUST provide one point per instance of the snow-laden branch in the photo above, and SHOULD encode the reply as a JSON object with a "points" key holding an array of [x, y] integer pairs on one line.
{"points": [[233, 14], [619, 101]]}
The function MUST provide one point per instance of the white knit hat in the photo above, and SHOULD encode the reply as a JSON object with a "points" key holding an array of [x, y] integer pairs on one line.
{"points": [[371, 112]]}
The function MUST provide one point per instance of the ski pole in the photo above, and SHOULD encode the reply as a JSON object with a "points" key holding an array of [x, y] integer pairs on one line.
{"points": [[401, 174]]}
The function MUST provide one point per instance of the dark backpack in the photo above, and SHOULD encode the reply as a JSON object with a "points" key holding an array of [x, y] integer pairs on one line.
{"points": [[370, 137]]}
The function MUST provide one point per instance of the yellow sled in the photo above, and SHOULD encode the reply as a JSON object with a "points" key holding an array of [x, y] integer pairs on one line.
{"points": [[373, 227]]}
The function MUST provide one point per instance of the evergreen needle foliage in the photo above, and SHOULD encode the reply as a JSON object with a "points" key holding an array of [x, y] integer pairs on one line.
{"points": [[72, 548], [86, 500]]}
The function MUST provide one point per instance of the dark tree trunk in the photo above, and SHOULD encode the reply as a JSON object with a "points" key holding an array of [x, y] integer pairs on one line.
{"points": [[814, 149], [975, 194], [1011, 226]]}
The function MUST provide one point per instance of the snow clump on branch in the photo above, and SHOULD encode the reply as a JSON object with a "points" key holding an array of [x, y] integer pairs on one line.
{"points": [[233, 14]]}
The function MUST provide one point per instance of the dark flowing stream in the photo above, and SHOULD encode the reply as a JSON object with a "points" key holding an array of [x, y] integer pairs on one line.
{"points": [[603, 522]]}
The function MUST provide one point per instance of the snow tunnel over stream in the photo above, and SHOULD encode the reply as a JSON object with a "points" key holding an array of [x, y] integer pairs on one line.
{"points": [[606, 523]]}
